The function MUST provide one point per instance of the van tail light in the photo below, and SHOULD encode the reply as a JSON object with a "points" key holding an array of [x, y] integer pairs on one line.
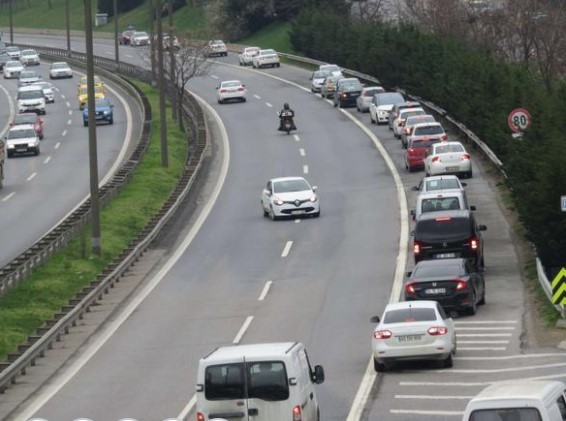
{"points": [[466, 157], [474, 243], [382, 334], [461, 285], [437, 331], [436, 159], [200, 416], [297, 413], [410, 288], [416, 247]]}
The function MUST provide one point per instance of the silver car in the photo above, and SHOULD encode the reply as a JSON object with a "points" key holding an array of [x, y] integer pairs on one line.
{"points": [[364, 100], [448, 158], [22, 139], [60, 69], [317, 79], [12, 69], [439, 182], [288, 197], [29, 57], [47, 91]]}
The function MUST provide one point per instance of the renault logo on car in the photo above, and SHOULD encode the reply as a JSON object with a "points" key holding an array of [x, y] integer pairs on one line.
{"points": [[297, 202]]}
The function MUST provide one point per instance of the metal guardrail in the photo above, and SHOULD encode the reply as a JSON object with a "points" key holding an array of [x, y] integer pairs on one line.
{"points": [[36, 345]]}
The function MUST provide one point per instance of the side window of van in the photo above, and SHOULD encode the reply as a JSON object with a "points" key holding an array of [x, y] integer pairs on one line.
{"points": [[561, 402], [225, 381]]}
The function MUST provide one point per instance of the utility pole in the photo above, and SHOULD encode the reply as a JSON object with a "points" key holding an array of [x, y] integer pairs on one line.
{"points": [[68, 20], [152, 42], [116, 44], [172, 65], [162, 87], [94, 199], [11, 21]]}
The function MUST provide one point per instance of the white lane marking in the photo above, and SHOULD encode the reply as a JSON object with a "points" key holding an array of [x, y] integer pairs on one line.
{"points": [[305, 169], [482, 335], [487, 322], [104, 335], [287, 249], [187, 409], [481, 348], [506, 370], [109, 52], [432, 397], [46, 161], [64, 133], [458, 329], [302, 152], [265, 290], [268, 104], [476, 384], [12, 110], [68, 104], [512, 357], [128, 55], [297, 221], [57, 145], [31, 177], [297, 138], [214, 76], [69, 122], [427, 412], [63, 97], [70, 112], [257, 97], [8, 197], [242, 330], [482, 342]]}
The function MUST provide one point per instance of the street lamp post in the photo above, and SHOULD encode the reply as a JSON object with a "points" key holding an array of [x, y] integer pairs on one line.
{"points": [[152, 43], [116, 44], [11, 21], [92, 148], [68, 20], [172, 65], [162, 87]]}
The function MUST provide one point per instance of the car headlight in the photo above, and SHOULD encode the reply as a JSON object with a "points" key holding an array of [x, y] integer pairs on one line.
{"points": [[10, 146], [277, 201], [106, 112], [313, 198]]}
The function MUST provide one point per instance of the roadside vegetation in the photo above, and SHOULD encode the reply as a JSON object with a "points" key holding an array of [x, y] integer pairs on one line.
{"points": [[26, 307]]}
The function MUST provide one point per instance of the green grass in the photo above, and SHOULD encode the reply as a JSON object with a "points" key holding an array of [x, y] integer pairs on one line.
{"points": [[26, 307], [275, 35], [36, 14]]}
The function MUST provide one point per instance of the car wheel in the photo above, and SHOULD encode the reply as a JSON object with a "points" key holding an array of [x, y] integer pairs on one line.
{"points": [[470, 174], [371, 118], [220, 101], [41, 137], [111, 121], [482, 301], [474, 308], [378, 367], [409, 168], [335, 104], [10, 154], [316, 215], [272, 214], [243, 99], [447, 362]]}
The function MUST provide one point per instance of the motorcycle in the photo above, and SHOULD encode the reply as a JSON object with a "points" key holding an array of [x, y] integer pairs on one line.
{"points": [[287, 124]]}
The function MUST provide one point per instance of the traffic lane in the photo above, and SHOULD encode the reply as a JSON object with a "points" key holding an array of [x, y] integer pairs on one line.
{"points": [[7, 110], [210, 292], [43, 182]]}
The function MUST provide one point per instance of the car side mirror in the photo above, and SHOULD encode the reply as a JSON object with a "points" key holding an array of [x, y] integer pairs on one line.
{"points": [[464, 184], [218, 87], [482, 228], [409, 273], [412, 233], [472, 208], [318, 374], [415, 188], [267, 192], [374, 319], [314, 188]]}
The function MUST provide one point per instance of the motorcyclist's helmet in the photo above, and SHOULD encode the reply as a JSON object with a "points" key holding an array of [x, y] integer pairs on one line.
{"points": [[286, 106]]}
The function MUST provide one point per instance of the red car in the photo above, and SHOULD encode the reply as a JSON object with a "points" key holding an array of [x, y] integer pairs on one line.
{"points": [[416, 153], [29, 118], [125, 37]]}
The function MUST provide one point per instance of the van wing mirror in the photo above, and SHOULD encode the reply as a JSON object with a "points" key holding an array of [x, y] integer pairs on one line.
{"points": [[472, 208], [318, 374]]}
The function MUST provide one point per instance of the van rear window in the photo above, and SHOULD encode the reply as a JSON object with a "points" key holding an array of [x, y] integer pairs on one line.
{"points": [[224, 382], [446, 229], [268, 381], [507, 414]]}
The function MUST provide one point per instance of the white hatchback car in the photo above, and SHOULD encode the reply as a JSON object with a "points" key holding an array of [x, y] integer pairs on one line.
{"points": [[12, 69], [29, 57], [438, 183], [247, 55], [266, 58], [289, 196], [231, 90], [448, 158], [413, 330], [399, 122]]}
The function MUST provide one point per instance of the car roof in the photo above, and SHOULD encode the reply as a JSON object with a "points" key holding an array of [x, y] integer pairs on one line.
{"points": [[439, 193], [251, 351], [275, 180], [441, 177], [456, 213], [22, 127], [458, 261], [26, 88], [519, 389], [60, 62], [410, 304], [231, 81]]}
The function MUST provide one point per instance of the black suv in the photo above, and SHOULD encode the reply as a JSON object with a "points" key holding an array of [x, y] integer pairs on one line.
{"points": [[448, 235]]}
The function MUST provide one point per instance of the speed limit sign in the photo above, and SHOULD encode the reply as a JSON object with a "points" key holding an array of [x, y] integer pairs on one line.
{"points": [[519, 120]]}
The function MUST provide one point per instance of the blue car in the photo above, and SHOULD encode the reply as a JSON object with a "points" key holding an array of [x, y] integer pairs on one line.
{"points": [[104, 111]]}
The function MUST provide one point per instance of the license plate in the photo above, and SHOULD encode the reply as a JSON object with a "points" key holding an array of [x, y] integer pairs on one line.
{"points": [[409, 338], [353, 95], [445, 255], [21, 149], [452, 168], [298, 212], [435, 291]]}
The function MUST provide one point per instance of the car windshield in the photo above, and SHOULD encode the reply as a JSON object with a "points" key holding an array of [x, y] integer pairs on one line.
{"points": [[428, 130], [434, 204], [13, 64], [449, 148], [408, 315], [330, 68], [27, 74], [21, 134], [319, 75], [438, 271], [34, 94], [503, 414], [84, 90], [102, 102], [267, 52], [140, 34], [443, 228], [388, 98], [28, 53], [288, 186], [421, 143], [59, 66], [351, 87], [25, 119], [12, 49], [231, 84]]}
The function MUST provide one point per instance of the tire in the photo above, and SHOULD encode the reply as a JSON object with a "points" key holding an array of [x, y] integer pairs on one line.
{"points": [[243, 99], [447, 362], [474, 308], [316, 215], [265, 213], [85, 123], [272, 214], [220, 101], [482, 301], [409, 168], [41, 137], [278, 64], [10, 154], [36, 152], [378, 367], [111, 121], [470, 174]]}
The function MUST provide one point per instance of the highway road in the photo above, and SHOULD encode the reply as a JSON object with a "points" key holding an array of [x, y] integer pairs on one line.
{"points": [[39, 191], [324, 277]]}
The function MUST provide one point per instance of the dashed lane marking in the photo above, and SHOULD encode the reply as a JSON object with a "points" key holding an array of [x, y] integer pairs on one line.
{"points": [[287, 249], [302, 152], [257, 97], [305, 169], [57, 145], [242, 330], [46, 161], [265, 290], [64, 133], [297, 138], [268, 104], [31, 177], [8, 197]]}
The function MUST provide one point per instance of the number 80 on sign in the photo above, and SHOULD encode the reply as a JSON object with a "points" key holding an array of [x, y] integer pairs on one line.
{"points": [[519, 120]]}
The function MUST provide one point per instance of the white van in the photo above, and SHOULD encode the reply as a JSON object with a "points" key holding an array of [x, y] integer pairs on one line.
{"points": [[259, 382], [441, 200], [520, 400]]}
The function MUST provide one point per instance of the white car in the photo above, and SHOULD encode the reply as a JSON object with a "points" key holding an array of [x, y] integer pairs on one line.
{"points": [[265, 58], [139, 38], [12, 69], [27, 77], [289, 196], [381, 106], [330, 68], [31, 98], [448, 158], [409, 125], [438, 183], [246, 56], [60, 69], [29, 57], [317, 79], [22, 139], [399, 122], [231, 90], [216, 48], [47, 91], [13, 51], [413, 330]]}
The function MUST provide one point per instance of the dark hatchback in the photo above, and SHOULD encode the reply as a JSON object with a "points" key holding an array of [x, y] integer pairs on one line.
{"points": [[347, 94], [448, 234], [454, 283]]}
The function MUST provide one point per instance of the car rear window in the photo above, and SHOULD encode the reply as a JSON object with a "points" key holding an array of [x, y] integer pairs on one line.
{"points": [[515, 414], [25, 119], [428, 130], [351, 87], [442, 184], [268, 381], [410, 113], [449, 148], [406, 315], [439, 204], [443, 228], [426, 118], [224, 382], [437, 271]]}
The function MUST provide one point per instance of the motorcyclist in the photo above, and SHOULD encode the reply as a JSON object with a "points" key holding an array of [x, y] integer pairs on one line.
{"points": [[286, 112]]}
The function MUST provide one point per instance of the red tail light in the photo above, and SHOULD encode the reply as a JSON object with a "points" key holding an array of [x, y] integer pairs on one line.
{"points": [[437, 331], [410, 150], [474, 244], [410, 288], [240, 89], [466, 157], [461, 285], [444, 137], [416, 247], [436, 159], [407, 131], [382, 334], [223, 91], [200, 416], [297, 413]]}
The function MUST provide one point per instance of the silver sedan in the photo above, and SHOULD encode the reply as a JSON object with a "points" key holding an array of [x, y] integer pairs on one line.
{"points": [[288, 197], [364, 100]]}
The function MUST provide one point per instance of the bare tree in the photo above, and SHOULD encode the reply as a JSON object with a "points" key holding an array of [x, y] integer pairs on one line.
{"points": [[369, 11]]}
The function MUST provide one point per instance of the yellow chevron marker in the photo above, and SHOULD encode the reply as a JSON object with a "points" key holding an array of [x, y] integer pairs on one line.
{"points": [[559, 288]]}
